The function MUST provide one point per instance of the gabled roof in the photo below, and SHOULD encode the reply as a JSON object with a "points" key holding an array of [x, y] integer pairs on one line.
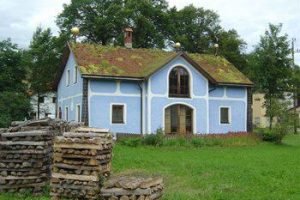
{"points": [[105, 61]]}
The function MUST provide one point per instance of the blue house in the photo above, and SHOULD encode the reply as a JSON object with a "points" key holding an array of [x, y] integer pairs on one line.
{"points": [[129, 90]]}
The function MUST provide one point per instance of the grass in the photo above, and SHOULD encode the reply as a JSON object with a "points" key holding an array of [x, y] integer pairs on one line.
{"points": [[262, 172]]}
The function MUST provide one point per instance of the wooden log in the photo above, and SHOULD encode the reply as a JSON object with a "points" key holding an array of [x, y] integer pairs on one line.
{"points": [[23, 177], [25, 133], [78, 146], [151, 182], [26, 151], [120, 191], [76, 177], [93, 130], [86, 135], [8, 143], [81, 167]]}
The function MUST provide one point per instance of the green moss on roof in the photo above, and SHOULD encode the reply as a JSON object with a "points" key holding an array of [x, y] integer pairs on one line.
{"points": [[220, 69], [139, 63]]}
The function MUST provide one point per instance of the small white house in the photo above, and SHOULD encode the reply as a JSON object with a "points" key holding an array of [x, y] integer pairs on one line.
{"points": [[47, 104]]}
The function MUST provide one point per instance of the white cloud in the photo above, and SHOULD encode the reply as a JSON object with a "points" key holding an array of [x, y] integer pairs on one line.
{"points": [[250, 18]]}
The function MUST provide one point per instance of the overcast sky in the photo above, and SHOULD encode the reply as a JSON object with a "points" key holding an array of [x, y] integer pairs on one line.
{"points": [[19, 18]]}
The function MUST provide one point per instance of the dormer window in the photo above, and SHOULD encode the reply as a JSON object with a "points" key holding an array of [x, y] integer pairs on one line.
{"points": [[179, 83]]}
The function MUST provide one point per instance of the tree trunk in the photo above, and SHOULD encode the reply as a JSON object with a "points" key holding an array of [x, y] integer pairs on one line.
{"points": [[38, 105], [270, 114]]}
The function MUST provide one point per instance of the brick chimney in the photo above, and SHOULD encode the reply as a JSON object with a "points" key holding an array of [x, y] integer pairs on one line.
{"points": [[128, 37]]}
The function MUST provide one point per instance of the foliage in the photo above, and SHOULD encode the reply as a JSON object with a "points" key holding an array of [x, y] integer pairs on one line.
{"points": [[272, 66], [14, 103], [160, 140], [285, 120], [12, 73], [14, 106], [195, 28], [131, 142], [42, 60], [103, 21]]}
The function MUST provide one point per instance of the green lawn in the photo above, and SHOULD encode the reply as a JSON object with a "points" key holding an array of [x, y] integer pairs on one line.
{"points": [[265, 171]]}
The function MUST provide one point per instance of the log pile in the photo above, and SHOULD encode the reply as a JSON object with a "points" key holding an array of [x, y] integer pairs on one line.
{"points": [[80, 162], [25, 159], [132, 188]]}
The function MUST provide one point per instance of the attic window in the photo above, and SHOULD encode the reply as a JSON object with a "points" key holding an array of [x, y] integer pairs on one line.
{"points": [[75, 74], [179, 83], [68, 78]]}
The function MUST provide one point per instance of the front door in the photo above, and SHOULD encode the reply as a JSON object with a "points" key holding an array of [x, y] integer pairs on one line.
{"points": [[178, 120]]}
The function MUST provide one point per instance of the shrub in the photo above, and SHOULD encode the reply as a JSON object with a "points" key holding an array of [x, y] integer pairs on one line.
{"points": [[154, 139], [131, 142], [274, 135]]}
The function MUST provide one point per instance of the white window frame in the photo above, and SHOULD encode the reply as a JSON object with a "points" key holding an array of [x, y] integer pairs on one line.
{"points": [[66, 114], [229, 115], [77, 113], [124, 113], [75, 75], [68, 78]]}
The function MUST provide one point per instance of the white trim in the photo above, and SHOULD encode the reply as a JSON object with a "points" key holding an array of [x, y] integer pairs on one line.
{"points": [[115, 94], [66, 113], [124, 113], [181, 103], [71, 97], [149, 100], [191, 91], [80, 112], [89, 101], [227, 99], [246, 109], [144, 108], [208, 111], [229, 115]]}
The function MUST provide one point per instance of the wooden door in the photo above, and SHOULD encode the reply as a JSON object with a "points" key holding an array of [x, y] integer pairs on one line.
{"points": [[178, 120]]}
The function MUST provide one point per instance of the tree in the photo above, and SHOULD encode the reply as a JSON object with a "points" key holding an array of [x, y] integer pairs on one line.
{"points": [[272, 66], [232, 47], [102, 21], [14, 103], [12, 73], [14, 106], [43, 59], [195, 28]]}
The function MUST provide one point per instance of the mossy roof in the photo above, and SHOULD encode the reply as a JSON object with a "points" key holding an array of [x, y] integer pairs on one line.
{"points": [[98, 60]]}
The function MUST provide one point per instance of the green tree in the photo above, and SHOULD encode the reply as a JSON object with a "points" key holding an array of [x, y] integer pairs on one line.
{"points": [[14, 106], [272, 66], [14, 103], [102, 21], [12, 73], [195, 28], [232, 47], [43, 59]]}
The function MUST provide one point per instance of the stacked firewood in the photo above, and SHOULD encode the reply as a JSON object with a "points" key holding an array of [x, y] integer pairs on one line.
{"points": [[25, 159], [81, 160], [133, 188]]}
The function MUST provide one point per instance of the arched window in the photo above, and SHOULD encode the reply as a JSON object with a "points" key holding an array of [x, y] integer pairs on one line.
{"points": [[179, 83]]}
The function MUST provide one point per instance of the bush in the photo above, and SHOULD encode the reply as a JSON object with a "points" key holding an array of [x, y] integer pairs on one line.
{"points": [[131, 142], [275, 135]]}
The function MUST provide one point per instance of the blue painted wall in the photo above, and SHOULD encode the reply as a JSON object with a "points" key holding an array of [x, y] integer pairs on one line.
{"points": [[205, 101], [235, 98], [158, 97], [104, 93], [70, 96]]}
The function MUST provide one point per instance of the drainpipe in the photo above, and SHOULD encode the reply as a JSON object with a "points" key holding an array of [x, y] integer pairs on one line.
{"points": [[141, 106]]}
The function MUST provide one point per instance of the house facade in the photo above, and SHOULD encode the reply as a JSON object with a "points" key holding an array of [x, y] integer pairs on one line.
{"points": [[142, 90], [45, 105]]}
